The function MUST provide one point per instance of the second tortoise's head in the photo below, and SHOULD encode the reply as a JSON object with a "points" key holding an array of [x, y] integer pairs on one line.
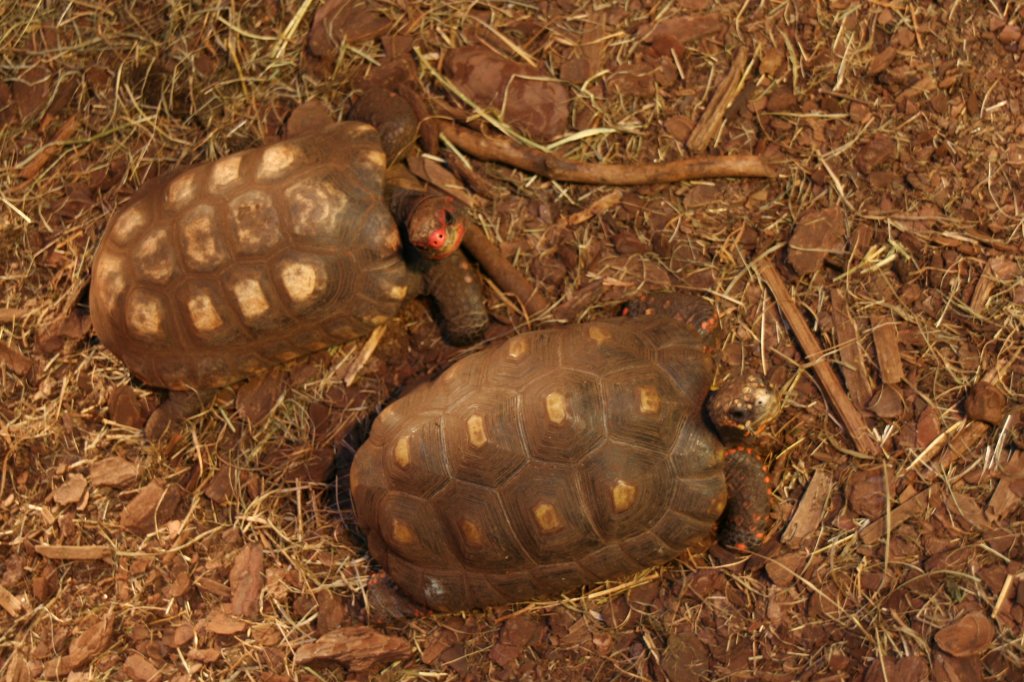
{"points": [[436, 226]]}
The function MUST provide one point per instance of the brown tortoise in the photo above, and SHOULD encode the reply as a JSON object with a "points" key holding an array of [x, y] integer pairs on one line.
{"points": [[562, 457], [211, 274]]}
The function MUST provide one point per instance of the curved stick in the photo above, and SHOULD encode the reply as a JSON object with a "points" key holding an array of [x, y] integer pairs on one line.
{"points": [[556, 167], [501, 271]]}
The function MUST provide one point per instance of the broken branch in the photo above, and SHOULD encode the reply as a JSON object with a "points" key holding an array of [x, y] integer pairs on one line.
{"points": [[501, 271], [848, 412], [559, 168]]}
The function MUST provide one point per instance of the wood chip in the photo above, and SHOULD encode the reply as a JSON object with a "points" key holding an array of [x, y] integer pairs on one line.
{"points": [[807, 517], [125, 407], [221, 623], [997, 271], [13, 359], [338, 22], [137, 667], [986, 403], [1009, 491], [817, 235], [71, 490], [890, 364], [44, 155], [114, 472], [257, 396], [967, 636], [912, 508], [331, 612], [179, 636], [92, 641], [670, 35], [247, 580], [18, 669], [210, 655], [213, 587], [965, 444], [783, 570], [710, 121], [526, 96], [851, 353], [357, 646], [219, 488], [851, 417], [74, 552], [9, 603], [152, 507]]}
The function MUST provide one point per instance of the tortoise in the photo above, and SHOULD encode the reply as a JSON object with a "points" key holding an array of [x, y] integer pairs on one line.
{"points": [[218, 271], [564, 456]]}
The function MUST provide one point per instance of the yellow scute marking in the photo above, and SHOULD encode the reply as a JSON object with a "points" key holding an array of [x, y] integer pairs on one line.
{"points": [[547, 517], [251, 298], [402, 533], [471, 533], [400, 453], [475, 428], [650, 401], [518, 348], [597, 334], [204, 314], [554, 403], [623, 495]]}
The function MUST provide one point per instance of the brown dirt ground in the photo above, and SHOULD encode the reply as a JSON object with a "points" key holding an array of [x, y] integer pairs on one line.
{"points": [[893, 232]]}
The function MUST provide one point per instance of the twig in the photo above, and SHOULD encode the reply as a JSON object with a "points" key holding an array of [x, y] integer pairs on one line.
{"points": [[848, 413], [711, 120], [365, 353], [48, 151], [559, 168], [501, 271]]}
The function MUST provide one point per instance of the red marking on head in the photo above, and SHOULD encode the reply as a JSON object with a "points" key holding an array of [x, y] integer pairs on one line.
{"points": [[742, 546], [759, 536], [437, 238]]}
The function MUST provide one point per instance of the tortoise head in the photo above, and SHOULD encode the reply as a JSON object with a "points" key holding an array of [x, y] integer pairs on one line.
{"points": [[742, 406], [436, 227]]}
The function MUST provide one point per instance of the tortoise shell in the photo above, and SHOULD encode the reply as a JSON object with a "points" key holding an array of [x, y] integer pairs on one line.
{"points": [[557, 458], [232, 266]]}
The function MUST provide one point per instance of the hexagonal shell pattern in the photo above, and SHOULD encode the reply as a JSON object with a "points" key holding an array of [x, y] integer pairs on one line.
{"points": [[555, 458], [229, 266]]}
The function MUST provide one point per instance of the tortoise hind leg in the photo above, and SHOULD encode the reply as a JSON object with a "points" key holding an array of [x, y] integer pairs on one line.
{"points": [[745, 519]]}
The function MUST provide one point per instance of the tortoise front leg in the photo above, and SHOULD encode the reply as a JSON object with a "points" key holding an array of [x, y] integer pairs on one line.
{"points": [[458, 290], [745, 519]]}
